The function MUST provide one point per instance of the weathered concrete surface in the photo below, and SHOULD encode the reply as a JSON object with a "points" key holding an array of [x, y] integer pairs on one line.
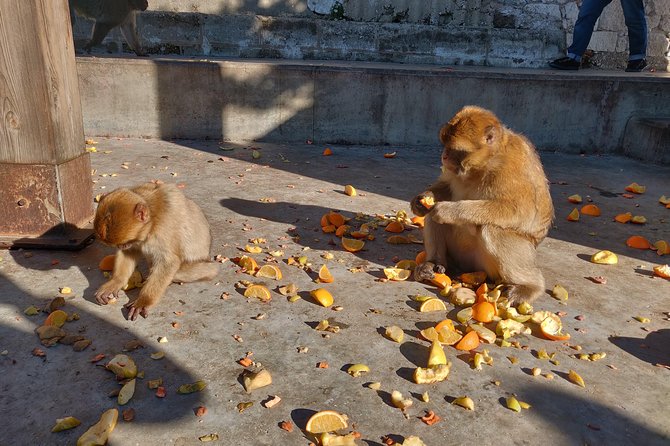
{"points": [[362, 103], [281, 197], [473, 32]]}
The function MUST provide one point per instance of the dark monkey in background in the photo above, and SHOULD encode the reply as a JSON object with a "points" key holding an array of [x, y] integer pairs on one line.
{"points": [[109, 14], [492, 205]]}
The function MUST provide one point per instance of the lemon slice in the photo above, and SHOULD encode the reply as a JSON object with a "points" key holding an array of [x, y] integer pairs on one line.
{"points": [[259, 291], [326, 421], [270, 272], [322, 296], [433, 304], [436, 355], [324, 275]]}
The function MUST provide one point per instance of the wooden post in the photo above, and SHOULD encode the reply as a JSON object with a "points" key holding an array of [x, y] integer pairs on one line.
{"points": [[45, 171]]}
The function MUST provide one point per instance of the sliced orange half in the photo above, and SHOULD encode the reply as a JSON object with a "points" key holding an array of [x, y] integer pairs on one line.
{"points": [[469, 342], [397, 274], [269, 272], [107, 263], [662, 271], [638, 242], [326, 421], [324, 275], [247, 263], [258, 291], [433, 304], [395, 226], [352, 245]]}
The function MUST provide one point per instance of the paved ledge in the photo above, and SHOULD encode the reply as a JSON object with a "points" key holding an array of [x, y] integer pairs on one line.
{"points": [[282, 194], [361, 103]]}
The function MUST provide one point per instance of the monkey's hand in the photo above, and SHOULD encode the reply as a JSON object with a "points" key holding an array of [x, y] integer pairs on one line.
{"points": [[140, 307], [417, 204], [445, 212], [426, 271], [107, 292]]}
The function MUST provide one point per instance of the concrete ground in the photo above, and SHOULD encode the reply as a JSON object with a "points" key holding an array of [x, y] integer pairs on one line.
{"points": [[280, 197]]}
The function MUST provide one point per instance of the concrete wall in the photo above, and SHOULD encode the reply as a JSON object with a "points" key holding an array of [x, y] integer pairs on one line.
{"points": [[360, 103], [510, 33]]}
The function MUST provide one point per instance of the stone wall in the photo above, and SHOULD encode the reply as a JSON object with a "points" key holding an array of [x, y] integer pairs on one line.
{"points": [[509, 33]]}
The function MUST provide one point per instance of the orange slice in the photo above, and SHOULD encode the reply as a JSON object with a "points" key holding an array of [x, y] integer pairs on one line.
{"points": [[247, 263], [327, 151], [574, 215], [661, 247], [639, 219], [591, 209], [576, 198], [350, 190], [57, 318], [107, 263], [636, 188], [469, 342], [322, 296], [624, 218], [664, 200], [324, 275], [258, 291], [342, 230], [397, 274], [441, 280], [352, 245], [433, 304], [329, 229], [446, 323], [473, 279], [390, 155], [326, 421], [483, 312], [398, 240], [427, 202], [269, 272], [420, 257], [336, 219], [551, 328], [662, 271], [419, 221], [324, 220], [395, 226], [253, 249], [638, 242]]}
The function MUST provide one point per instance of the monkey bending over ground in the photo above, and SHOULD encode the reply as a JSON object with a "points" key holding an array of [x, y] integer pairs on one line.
{"points": [[158, 222], [492, 205], [109, 14]]}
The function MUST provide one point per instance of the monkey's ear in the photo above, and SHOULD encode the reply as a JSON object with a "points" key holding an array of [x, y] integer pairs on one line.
{"points": [[491, 135], [141, 212], [443, 133]]}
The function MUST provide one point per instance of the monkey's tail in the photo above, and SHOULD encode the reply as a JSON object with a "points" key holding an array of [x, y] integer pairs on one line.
{"points": [[195, 271]]}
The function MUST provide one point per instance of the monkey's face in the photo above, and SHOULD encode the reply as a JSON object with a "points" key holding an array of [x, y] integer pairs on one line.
{"points": [[470, 139], [138, 5], [116, 222]]}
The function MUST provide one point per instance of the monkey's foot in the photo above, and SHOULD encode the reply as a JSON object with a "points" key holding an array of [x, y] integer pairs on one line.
{"points": [[521, 293], [427, 270]]}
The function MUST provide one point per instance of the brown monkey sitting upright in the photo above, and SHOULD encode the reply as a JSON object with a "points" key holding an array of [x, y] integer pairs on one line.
{"points": [[109, 14], [158, 222], [492, 205]]}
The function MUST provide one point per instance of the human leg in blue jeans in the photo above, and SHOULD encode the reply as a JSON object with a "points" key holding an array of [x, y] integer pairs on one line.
{"points": [[589, 13]]}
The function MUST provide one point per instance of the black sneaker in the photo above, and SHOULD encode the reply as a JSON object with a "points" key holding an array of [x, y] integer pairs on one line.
{"points": [[636, 66], [565, 63]]}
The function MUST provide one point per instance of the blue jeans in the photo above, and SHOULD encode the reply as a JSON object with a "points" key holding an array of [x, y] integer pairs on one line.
{"points": [[636, 22]]}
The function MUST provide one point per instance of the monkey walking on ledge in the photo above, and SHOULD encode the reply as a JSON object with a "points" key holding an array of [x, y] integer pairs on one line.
{"points": [[492, 205], [109, 14], [158, 222]]}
